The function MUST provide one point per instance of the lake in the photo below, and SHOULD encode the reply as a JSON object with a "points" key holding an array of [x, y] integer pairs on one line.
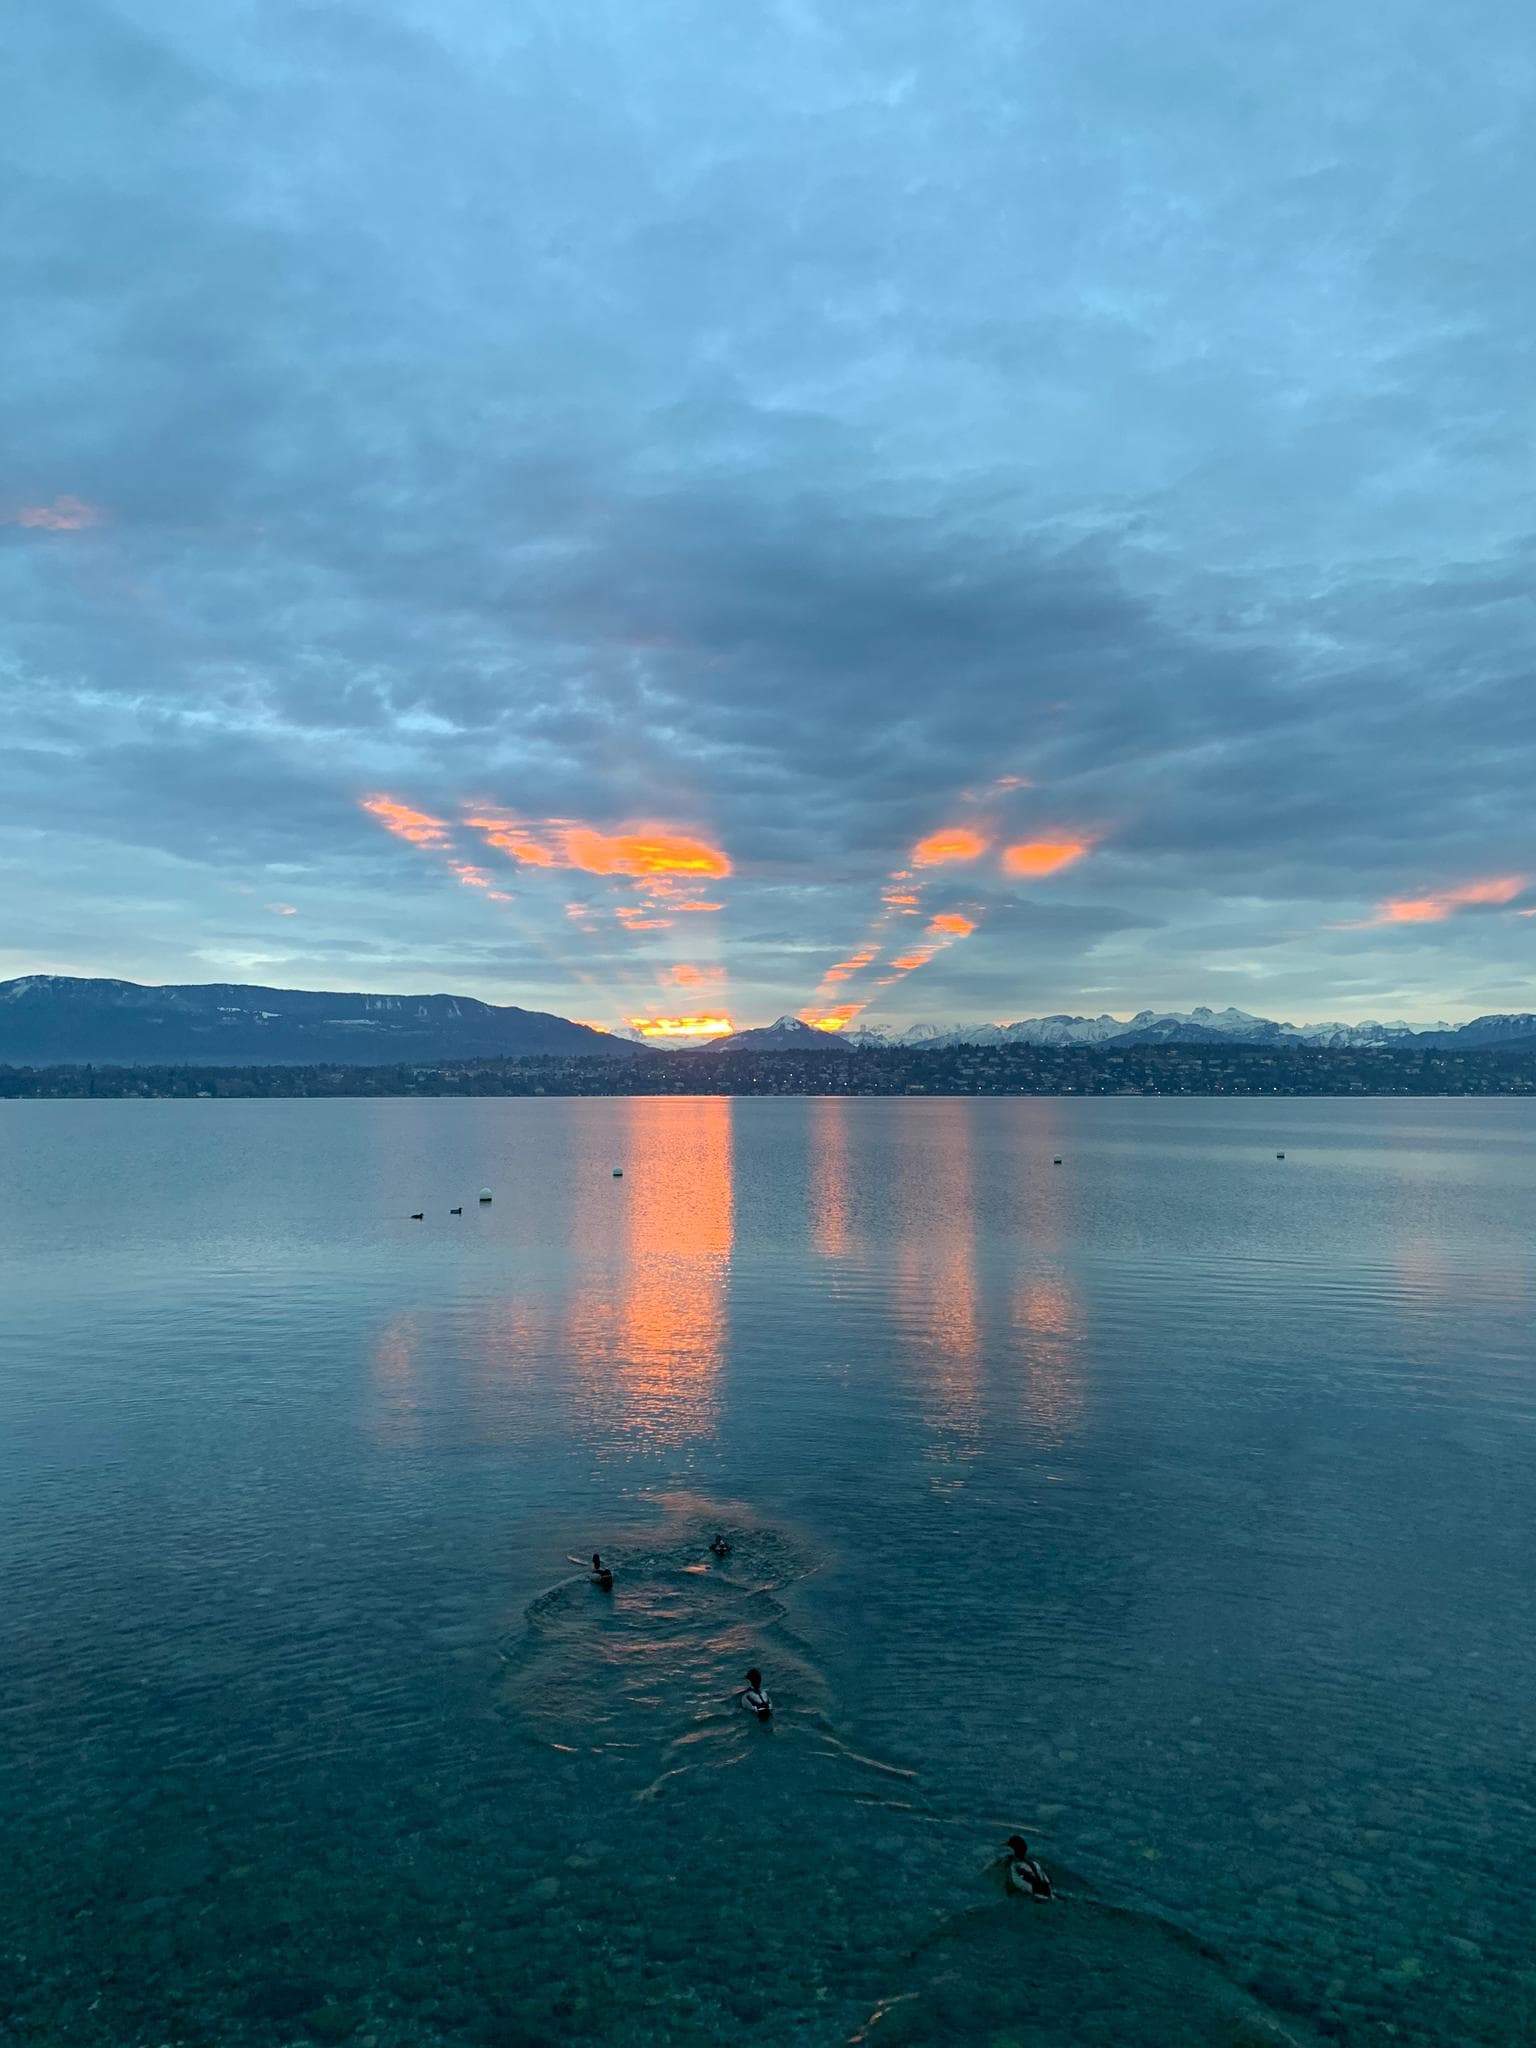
{"points": [[1174, 1505]]}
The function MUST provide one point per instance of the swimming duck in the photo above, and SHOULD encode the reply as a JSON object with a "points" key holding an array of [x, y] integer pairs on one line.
{"points": [[1024, 1874], [417, 1214], [753, 1698], [720, 1548], [456, 1212]]}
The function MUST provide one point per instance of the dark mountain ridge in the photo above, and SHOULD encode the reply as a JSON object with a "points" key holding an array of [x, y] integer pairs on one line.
{"points": [[1513, 1029], [51, 1019], [55, 1019]]}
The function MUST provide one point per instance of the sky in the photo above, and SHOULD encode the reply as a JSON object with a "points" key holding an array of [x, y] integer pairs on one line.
{"points": [[871, 510]]}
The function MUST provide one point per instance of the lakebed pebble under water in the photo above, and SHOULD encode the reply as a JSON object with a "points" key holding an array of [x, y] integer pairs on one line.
{"points": [[1177, 1515]]}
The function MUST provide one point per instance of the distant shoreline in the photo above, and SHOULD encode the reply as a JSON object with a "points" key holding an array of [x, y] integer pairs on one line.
{"points": [[1012, 1070]]}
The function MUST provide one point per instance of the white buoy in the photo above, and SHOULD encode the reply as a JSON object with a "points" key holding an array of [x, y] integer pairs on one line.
{"points": [[485, 1194]]}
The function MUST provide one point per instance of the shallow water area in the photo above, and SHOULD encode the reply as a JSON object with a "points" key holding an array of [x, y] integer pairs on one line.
{"points": [[1174, 1506]]}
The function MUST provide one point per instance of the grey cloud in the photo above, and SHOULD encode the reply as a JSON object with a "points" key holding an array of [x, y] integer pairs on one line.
{"points": [[779, 423]]}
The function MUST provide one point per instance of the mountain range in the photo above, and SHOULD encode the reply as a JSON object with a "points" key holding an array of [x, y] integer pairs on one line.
{"points": [[54, 1019], [1200, 1026], [51, 1019]]}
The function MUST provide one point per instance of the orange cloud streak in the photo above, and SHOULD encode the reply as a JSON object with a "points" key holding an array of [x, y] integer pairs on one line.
{"points": [[1446, 902], [842, 969], [508, 836], [1036, 857], [646, 850], [953, 844], [64, 515], [661, 866], [685, 975], [952, 925], [419, 827]]}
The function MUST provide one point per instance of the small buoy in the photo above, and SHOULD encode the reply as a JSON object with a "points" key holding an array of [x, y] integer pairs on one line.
{"points": [[485, 1194], [1279, 1155], [1055, 1162], [618, 1173]]}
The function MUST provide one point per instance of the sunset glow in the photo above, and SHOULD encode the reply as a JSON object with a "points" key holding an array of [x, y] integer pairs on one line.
{"points": [[835, 1020], [853, 515], [681, 1027], [1036, 857], [957, 843]]}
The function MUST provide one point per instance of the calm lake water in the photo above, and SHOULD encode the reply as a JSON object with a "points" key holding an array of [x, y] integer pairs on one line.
{"points": [[1175, 1505]]}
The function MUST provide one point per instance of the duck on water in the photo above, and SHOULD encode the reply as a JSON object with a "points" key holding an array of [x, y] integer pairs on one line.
{"points": [[1023, 1874], [753, 1697], [599, 1573]]}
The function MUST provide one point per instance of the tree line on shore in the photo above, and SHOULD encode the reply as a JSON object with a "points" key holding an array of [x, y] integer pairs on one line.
{"points": [[956, 1070]]}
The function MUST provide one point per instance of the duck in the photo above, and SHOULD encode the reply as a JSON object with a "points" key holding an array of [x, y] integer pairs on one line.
{"points": [[1024, 1874], [720, 1548], [417, 1214], [456, 1212], [753, 1697]]}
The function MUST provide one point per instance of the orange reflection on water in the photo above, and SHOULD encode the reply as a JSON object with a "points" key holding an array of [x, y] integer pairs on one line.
{"points": [[830, 1170], [396, 1419], [936, 1282], [648, 1337], [1049, 1316]]}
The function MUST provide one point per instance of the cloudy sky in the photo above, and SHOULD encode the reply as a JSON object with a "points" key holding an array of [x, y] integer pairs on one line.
{"points": [[880, 507]]}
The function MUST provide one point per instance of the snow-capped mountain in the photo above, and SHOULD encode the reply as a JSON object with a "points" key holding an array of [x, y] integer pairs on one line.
{"points": [[1499, 1029], [1200, 1026], [784, 1034]]}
